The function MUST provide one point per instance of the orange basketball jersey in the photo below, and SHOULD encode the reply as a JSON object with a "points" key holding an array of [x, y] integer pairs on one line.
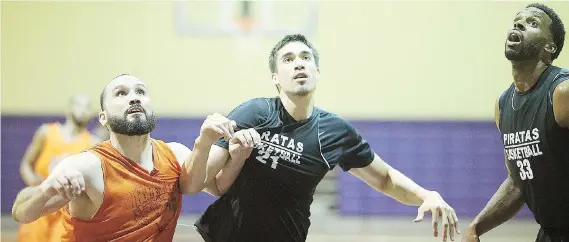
{"points": [[55, 145], [137, 205]]}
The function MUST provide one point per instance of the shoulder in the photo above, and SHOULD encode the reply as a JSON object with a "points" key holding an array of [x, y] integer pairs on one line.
{"points": [[85, 162], [561, 92], [334, 128], [258, 104], [561, 89], [334, 121], [560, 101], [180, 151]]}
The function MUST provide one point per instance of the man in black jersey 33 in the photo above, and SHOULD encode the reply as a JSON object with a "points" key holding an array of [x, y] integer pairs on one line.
{"points": [[533, 117], [267, 173]]}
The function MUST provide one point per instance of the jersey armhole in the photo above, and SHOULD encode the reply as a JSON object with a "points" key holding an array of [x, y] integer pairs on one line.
{"points": [[561, 77], [502, 100]]}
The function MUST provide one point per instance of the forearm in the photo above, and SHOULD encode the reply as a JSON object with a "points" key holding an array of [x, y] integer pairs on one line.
{"points": [[194, 169], [403, 189], [29, 205], [225, 178], [503, 205]]}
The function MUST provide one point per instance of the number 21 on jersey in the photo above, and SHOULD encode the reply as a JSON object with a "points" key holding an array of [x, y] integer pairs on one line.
{"points": [[525, 169]]}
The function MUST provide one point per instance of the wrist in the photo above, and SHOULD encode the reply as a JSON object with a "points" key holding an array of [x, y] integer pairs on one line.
{"points": [[424, 194], [473, 228], [44, 190], [203, 143]]}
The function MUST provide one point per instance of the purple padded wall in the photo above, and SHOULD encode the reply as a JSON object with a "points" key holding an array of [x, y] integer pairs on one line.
{"points": [[461, 160]]}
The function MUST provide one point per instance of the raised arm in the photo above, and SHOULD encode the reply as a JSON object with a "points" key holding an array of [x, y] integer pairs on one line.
{"points": [[64, 184], [29, 177], [223, 167], [194, 163], [504, 204]]}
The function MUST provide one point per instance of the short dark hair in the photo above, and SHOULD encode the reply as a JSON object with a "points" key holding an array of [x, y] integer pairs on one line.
{"points": [[103, 94], [288, 39], [557, 29]]}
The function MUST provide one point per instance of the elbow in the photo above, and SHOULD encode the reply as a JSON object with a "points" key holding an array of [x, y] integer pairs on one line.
{"points": [[16, 215], [191, 185], [384, 183], [212, 188]]}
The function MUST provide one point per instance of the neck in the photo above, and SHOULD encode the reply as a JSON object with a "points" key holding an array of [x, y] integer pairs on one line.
{"points": [[526, 73], [132, 147], [72, 128], [299, 107]]}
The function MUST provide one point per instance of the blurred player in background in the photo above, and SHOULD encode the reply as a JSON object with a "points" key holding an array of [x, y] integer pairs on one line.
{"points": [[102, 132], [51, 143], [266, 196], [533, 118]]}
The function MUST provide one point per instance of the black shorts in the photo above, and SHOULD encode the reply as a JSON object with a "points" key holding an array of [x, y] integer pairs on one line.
{"points": [[552, 235]]}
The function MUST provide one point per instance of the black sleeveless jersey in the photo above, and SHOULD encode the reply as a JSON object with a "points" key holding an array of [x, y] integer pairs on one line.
{"points": [[538, 148], [271, 197]]}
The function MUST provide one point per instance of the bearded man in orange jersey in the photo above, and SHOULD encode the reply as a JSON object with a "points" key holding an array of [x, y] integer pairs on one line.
{"points": [[127, 188]]}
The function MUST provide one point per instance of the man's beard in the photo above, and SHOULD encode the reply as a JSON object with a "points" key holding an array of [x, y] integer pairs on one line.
{"points": [[526, 52], [138, 126]]}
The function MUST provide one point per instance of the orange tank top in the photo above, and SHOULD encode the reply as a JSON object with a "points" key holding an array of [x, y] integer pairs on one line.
{"points": [[55, 145], [137, 205]]}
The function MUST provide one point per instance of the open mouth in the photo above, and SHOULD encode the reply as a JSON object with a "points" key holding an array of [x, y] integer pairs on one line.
{"points": [[514, 37], [134, 110], [300, 75]]}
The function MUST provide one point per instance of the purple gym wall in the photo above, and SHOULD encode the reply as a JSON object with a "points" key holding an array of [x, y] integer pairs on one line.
{"points": [[462, 160]]}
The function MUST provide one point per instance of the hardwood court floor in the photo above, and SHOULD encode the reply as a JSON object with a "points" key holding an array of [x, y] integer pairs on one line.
{"points": [[333, 228]]}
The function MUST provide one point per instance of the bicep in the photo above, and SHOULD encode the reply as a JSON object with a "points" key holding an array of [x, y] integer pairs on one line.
{"points": [[181, 152], [218, 157], [561, 104], [373, 174]]}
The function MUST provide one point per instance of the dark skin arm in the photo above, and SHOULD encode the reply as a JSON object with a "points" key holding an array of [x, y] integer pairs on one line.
{"points": [[32, 152], [561, 104], [504, 204]]}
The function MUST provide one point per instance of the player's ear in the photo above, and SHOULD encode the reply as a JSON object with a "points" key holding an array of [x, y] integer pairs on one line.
{"points": [[274, 79], [551, 48], [103, 118], [317, 72]]}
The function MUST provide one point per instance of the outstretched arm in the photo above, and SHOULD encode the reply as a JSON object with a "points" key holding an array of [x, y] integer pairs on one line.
{"points": [[32, 203], [384, 178], [64, 184]]}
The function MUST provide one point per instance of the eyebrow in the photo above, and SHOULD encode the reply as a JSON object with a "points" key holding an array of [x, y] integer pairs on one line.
{"points": [[290, 53], [122, 86], [536, 14]]}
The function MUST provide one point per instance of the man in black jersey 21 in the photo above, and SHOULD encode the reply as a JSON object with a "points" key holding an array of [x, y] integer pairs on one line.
{"points": [[533, 117], [266, 192]]}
